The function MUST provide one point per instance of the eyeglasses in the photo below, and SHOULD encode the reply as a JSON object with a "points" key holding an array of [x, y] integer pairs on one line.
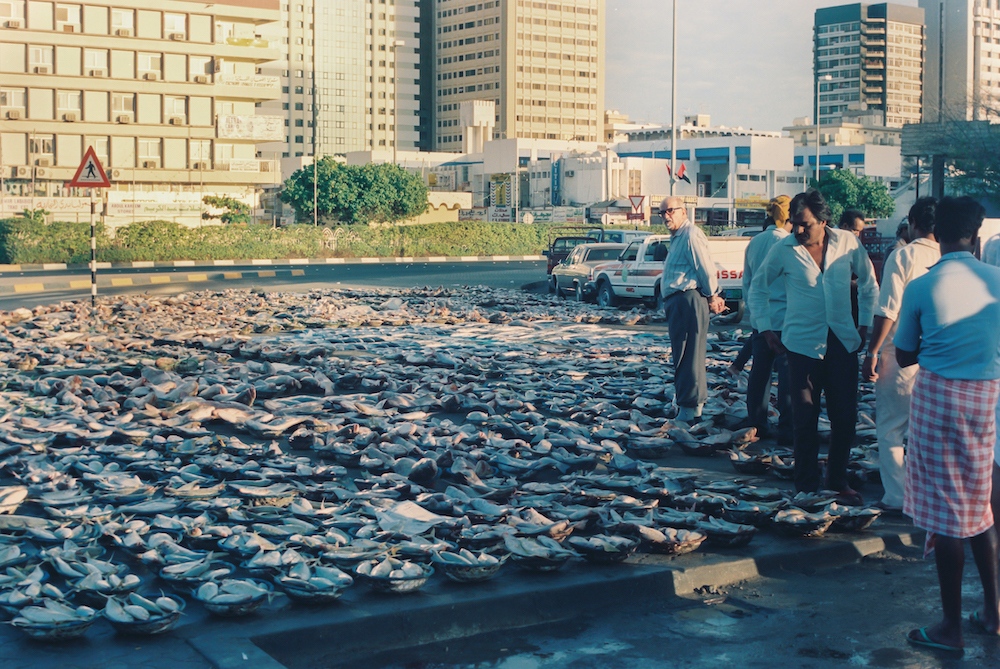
{"points": [[670, 210]]}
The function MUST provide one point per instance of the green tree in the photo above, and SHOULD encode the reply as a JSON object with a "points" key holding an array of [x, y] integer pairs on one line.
{"points": [[845, 190], [36, 216], [236, 212], [384, 193]]}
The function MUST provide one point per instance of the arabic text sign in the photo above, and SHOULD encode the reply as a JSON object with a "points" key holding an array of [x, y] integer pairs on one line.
{"points": [[269, 128]]}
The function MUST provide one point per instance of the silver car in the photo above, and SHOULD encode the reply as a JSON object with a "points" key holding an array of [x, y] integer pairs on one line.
{"points": [[570, 277]]}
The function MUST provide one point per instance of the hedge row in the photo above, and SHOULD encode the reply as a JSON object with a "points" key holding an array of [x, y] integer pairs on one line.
{"points": [[26, 242]]}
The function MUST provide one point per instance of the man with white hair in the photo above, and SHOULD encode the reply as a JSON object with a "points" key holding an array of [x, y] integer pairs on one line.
{"points": [[690, 291]]}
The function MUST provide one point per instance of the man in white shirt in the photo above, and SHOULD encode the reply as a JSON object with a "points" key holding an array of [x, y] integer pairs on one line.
{"points": [[949, 322], [765, 361], [893, 384], [690, 292], [815, 264]]}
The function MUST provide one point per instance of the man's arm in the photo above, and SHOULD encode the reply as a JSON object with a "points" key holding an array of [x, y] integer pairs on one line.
{"points": [[880, 330], [708, 284], [867, 291], [908, 330]]}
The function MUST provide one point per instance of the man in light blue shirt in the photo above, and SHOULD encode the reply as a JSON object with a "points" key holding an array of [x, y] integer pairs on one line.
{"points": [[690, 292], [949, 322], [766, 361]]}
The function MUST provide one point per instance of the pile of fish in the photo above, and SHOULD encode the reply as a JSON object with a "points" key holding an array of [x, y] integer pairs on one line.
{"points": [[296, 437]]}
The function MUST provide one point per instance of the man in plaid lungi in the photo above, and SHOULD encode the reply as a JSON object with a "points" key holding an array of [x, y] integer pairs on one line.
{"points": [[949, 323]]}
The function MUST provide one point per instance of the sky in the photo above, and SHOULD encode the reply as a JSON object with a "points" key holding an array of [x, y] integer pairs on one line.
{"points": [[745, 62]]}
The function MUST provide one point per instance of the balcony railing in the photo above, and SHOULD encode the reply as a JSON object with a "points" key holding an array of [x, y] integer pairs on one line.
{"points": [[251, 80]]}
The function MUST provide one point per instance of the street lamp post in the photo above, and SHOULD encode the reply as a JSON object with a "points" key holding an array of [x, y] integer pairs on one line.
{"points": [[825, 77], [673, 104], [395, 98]]}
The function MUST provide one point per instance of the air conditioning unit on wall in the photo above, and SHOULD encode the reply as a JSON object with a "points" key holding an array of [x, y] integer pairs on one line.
{"points": [[22, 172], [176, 120], [200, 79], [13, 114], [124, 118], [14, 23], [69, 116], [149, 164], [200, 166], [124, 32], [150, 76]]}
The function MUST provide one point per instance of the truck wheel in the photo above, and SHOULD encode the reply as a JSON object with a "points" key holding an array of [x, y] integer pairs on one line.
{"points": [[606, 296], [579, 292]]}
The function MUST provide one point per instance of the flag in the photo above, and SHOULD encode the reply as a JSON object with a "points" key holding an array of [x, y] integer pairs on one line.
{"points": [[680, 173]]}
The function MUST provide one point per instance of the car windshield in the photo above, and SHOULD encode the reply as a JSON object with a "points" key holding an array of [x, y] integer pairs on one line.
{"points": [[603, 254]]}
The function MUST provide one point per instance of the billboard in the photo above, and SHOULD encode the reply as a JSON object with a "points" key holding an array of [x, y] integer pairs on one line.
{"points": [[503, 194], [556, 184]]}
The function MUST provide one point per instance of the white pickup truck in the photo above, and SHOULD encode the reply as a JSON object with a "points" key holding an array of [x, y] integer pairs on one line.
{"points": [[636, 274]]}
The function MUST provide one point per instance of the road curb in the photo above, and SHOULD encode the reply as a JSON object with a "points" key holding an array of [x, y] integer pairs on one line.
{"points": [[343, 633], [175, 264]]}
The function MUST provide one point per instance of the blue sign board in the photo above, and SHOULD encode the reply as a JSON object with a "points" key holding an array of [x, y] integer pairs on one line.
{"points": [[556, 182]]}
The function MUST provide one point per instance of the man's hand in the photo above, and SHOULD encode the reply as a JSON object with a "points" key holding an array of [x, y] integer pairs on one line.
{"points": [[716, 304], [774, 341], [868, 372], [863, 333]]}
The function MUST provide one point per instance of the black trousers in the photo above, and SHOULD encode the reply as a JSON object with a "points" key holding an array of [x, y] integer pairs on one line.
{"points": [[687, 324], [836, 376], [765, 362]]}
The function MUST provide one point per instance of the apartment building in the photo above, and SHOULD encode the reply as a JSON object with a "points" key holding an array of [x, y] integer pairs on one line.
{"points": [[350, 77], [962, 68], [869, 56], [165, 92], [540, 63]]}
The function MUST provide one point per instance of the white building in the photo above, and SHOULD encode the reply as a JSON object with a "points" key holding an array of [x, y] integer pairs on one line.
{"points": [[962, 64]]}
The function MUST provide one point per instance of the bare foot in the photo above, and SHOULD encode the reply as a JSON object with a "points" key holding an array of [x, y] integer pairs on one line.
{"points": [[937, 636]]}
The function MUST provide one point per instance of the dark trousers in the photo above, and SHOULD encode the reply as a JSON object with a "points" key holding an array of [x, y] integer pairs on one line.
{"points": [[744, 355], [765, 362], [836, 375], [687, 323]]}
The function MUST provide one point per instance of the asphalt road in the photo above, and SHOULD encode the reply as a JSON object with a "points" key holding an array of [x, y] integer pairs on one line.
{"points": [[499, 274]]}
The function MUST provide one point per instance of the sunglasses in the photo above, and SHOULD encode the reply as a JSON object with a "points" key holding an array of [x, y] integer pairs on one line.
{"points": [[670, 210]]}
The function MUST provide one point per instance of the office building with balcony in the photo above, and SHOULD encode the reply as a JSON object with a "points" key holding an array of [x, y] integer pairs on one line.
{"points": [[350, 79], [869, 56], [541, 64], [165, 93], [962, 68]]}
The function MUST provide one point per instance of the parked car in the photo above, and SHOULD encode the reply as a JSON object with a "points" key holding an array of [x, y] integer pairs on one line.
{"points": [[560, 248], [571, 276], [617, 236]]}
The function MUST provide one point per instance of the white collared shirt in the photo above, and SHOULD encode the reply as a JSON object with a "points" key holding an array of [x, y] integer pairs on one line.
{"points": [[817, 301], [753, 258], [689, 265], [901, 267]]}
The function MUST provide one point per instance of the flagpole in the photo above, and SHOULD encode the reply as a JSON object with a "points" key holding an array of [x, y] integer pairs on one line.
{"points": [[673, 105]]}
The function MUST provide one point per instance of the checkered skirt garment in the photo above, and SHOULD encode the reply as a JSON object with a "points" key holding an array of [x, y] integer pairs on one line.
{"points": [[949, 462]]}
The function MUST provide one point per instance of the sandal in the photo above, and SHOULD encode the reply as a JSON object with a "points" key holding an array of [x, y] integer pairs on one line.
{"points": [[979, 626], [919, 637]]}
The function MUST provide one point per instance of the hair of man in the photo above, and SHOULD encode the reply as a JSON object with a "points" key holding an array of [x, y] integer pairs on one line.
{"points": [[814, 201], [921, 214], [957, 218], [848, 219]]}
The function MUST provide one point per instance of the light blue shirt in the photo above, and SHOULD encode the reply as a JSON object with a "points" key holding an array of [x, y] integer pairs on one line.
{"points": [[689, 265], [818, 301], [952, 314], [753, 258]]}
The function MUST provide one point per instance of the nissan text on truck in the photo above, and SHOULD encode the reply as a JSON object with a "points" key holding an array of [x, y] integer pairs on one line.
{"points": [[637, 272]]}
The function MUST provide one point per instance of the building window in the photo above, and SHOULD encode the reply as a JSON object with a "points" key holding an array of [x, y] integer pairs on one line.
{"points": [[199, 66], [12, 98], [149, 150], [12, 9], [175, 107], [122, 20], [149, 64], [175, 24], [298, 139], [100, 145], [40, 59], [69, 101], [123, 104], [41, 147], [200, 151], [68, 18], [95, 59]]}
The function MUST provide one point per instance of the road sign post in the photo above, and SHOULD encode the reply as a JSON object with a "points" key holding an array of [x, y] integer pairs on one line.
{"points": [[90, 174]]}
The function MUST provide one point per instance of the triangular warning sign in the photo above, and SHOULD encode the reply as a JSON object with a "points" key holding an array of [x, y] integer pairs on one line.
{"points": [[90, 174], [636, 201]]}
